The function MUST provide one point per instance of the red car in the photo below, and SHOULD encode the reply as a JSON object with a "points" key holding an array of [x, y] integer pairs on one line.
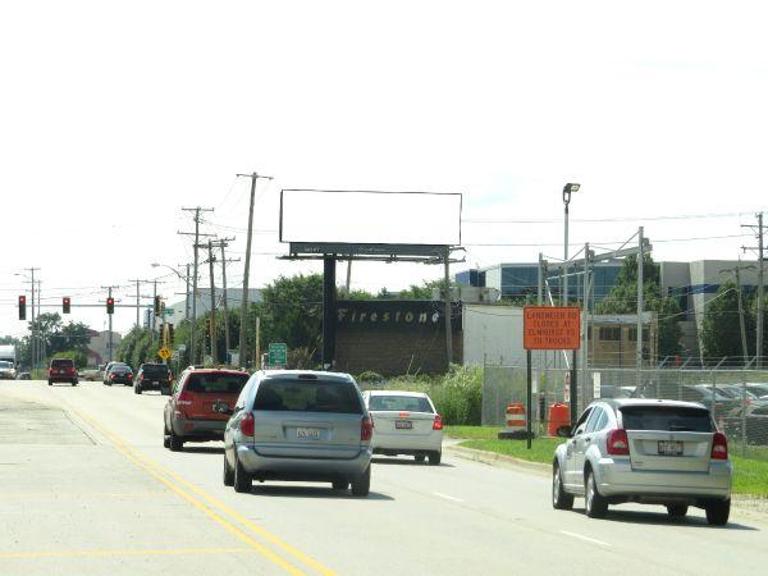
{"points": [[62, 370], [193, 411]]}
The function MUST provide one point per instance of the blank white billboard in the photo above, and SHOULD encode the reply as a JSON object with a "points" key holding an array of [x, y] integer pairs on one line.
{"points": [[362, 217]]}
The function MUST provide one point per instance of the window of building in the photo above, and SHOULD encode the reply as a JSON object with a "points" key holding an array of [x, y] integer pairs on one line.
{"points": [[610, 333]]}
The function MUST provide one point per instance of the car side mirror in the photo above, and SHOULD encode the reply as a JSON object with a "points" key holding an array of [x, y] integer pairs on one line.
{"points": [[565, 432]]}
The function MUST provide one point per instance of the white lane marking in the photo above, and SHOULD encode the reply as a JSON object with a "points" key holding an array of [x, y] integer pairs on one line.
{"points": [[585, 538], [446, 497]]}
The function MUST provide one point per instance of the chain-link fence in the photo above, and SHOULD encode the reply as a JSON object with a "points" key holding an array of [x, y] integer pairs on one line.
{"points": [[738, 399]]}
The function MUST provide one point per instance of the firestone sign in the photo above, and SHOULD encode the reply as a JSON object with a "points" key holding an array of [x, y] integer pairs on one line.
{"points": [[551, 328], [396, 314]]}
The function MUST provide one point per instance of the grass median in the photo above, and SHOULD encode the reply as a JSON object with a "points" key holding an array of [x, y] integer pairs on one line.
{"points": [[750, 476]]}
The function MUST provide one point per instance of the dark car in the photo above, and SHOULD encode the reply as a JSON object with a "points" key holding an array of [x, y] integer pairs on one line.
{"points": [[193, 411], [153, 377], [120, 374], [62, 370]]}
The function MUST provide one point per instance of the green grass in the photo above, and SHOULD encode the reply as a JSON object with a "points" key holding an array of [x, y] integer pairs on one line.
{"points": [[750, 476]]}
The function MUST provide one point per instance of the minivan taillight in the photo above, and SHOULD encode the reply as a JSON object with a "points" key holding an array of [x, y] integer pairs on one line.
{"points": [[366, 429], [438, 423], [618, 443], [247, 425], [719, 447]]}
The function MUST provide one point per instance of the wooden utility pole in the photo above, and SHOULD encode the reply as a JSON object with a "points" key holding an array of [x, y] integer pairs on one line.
{"points": [[244, 300], [223, 243], [196, 234], [211, 259]]}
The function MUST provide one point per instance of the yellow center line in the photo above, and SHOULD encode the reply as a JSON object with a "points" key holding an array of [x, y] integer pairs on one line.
{"points": [[127, 552], [159, 472]]}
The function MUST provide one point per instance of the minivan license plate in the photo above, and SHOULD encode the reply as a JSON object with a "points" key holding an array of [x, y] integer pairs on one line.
{"points": [[308, 433], [403, 425], [669, 448]]}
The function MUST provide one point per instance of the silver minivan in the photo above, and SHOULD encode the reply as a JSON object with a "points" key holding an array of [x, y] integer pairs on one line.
{"points": [[648, 451], [300, 426]]}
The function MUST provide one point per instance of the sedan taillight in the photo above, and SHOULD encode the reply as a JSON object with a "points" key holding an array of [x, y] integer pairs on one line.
{"points": [[618, 442], [366, 429], [719, 447]]}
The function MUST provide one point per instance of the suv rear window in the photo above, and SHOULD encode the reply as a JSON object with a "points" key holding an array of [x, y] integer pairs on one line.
{"points": [[308, 396], [666, 418], [155, 369], [62, 363], [216, 383], [399, 403]]}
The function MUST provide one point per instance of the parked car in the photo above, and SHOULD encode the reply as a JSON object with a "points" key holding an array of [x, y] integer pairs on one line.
{"points": [[755, 416], [153, 377], [62, 370], [406, 423], [653, 452], [7, 371], [759, 389], [190, 413], [90, 375], [301, 426], [120, 374]]}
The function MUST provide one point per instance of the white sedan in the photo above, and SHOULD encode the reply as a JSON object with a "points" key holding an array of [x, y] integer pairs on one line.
{"points": [[405, 423]]}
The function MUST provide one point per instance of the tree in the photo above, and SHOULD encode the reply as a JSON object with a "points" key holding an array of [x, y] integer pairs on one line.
{"points": [[721, 332], [622, 299]]}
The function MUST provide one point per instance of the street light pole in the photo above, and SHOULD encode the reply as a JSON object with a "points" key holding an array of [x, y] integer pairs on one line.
{"points": [[567, 190]]}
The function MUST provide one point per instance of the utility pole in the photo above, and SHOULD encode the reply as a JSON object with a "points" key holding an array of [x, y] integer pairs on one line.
{"points": [[33, 335], [640, 303], [154, 315], [760, 289], [40, 340], [244, 301], [349, 275], [742, 326], [138, 299], [212, 324], [186, 303], [224, 243], [196, 234]]}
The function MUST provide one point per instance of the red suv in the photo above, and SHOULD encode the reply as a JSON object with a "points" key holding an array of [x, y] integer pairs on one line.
{"points": [[194, 411], [62, 370]]}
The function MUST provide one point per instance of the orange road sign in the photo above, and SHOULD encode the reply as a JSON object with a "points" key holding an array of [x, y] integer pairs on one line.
{"points": [[551, 328]]}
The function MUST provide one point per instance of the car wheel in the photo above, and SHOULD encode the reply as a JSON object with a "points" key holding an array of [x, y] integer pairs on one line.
{"points": [[242, 480], [561, 500], [362, 484], [419, 458], [175, 442], [74, 382], [677, 510], [137, 389], [434, 458], [50, 383], [718, 512], [595, 505], [229, 474], [340, 484]]}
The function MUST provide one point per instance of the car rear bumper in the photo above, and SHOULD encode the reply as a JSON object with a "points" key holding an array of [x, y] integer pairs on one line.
{"points": [[153, 384], [615, 477], [405, 444], [198, 429], [61, 378], [293, 468]]}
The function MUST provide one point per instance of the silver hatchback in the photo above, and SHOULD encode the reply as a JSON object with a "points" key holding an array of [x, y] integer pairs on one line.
{"points": [[301, 426], [648, 451]]}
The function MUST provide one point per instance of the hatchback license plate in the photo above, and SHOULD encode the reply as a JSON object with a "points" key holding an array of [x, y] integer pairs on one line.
{"points": [[403, 425], [669, 448], [308, 433]]}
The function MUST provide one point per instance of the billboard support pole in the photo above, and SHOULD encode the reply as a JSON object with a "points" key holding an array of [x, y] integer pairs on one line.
{"points": [[529, 399], [448, 323], [329, 311]]}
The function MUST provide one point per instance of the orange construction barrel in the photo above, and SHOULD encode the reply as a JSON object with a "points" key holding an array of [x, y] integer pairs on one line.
{"points": [[559, 416]]}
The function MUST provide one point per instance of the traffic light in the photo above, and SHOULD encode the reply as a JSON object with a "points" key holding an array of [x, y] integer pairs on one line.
{"points": [[110, 305], [65, 303], [157, 305], [22, 307], [170, 334]]}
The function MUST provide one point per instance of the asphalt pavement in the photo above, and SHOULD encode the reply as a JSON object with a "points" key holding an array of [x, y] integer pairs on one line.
{"points": [[86, 487]]}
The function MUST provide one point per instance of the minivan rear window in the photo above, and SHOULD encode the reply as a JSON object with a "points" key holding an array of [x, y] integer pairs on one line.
{"points": [[399, 403], [308, 396], [666, 418], [213, 383]]}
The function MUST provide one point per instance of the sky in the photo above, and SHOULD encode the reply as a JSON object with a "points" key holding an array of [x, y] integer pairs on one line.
{"points": [[114, 116]]}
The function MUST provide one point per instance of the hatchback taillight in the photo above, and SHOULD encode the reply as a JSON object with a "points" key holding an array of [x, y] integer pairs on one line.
{"points": [[618, 443], [248, 425], [719, 447], [366, 429], [438, 423]]}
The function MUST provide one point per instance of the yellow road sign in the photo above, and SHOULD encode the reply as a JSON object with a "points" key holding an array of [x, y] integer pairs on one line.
{"points": [[164, 353]]}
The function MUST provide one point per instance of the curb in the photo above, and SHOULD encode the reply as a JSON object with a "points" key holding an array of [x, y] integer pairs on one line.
{"points": [[495, 459]]}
